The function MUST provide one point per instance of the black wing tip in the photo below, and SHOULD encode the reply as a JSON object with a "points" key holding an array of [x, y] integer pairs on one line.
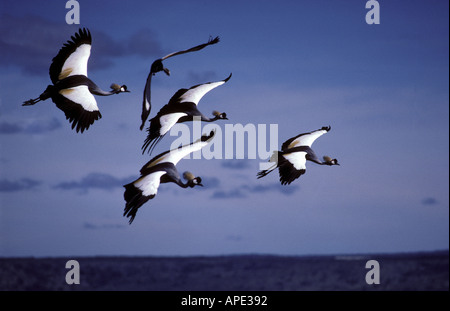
{"points": [[228, 78], [326, 128], [151, 142], [213, 40], [131, 196], [83, 121], [134, 200], [287, 179], [83, 35], [206, 137]]}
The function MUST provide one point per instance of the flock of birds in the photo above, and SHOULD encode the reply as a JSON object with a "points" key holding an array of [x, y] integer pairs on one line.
{"points": [[73, 92]]}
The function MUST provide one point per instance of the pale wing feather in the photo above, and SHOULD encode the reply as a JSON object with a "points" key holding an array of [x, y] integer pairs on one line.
{"points": [[81, 96], [194, 94], [76, 63], [307, 139], [149, 184], [297, 159], [175, 155], [169, 120], [147, 93]]}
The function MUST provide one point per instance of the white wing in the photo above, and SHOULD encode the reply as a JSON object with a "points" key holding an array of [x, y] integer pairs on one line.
{"points": [[175, 155], [297, 159], [149, 184], [80, 95], [76, 63], [195, 93], [306, 139], [169, 120], [72, 58]]}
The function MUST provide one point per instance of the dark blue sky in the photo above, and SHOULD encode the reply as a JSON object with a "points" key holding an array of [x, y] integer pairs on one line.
{"points": [[298, 64]]}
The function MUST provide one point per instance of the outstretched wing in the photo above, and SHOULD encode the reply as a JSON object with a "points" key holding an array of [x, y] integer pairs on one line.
{"points": [[158, 66], [305, 139], [291, 166], [146, 102], [140, 191], [79, 106], [193, 49], [196, 92], [73, 57], [175, 155]]}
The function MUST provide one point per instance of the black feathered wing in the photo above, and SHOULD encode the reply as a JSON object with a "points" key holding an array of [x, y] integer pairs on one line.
{"points": [[193, 49], [304, 139], [146, 102], [79, 106], [157, 66], [72, 58]]}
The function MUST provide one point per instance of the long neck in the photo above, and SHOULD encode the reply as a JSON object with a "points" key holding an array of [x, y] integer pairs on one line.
{"points": [[203, 118], [318, 161], [310, 155], [206, 119], [96, 90], [180, 183], [172, 175]]}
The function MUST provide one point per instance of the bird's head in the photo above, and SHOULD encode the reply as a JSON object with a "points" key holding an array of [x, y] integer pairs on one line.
{"points": [[192, 181], [219, 115], [329, 161], [119, 88], [158, 66]]}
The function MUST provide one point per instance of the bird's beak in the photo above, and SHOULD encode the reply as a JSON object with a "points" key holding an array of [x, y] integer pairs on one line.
{"points": [[167, 71], [199, 184]]}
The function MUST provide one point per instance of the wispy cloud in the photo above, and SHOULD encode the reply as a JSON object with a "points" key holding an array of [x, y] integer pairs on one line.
{"points": [[33, 127], [31, 42], [144, 43], [209, 182], [19, 185], [236, 164], [429, 201], [94, 181], [277, 187], [92, 226], [228, 194], [243, 190], [202, 77], [10, 128], [234, 238]]}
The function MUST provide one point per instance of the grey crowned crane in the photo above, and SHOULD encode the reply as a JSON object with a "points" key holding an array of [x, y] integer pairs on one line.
{"points": [[291, 160], [158, 66], [161, 169], [72, 91], [182, 107]]}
